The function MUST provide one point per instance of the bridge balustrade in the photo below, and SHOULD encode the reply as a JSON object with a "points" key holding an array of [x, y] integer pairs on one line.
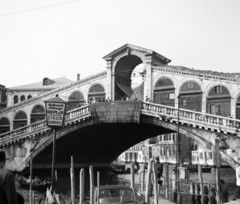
{"points": [[192, 117]]}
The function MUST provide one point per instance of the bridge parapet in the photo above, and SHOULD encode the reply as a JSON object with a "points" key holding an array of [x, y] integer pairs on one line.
{"points": [[41, 127], [193, 118]]}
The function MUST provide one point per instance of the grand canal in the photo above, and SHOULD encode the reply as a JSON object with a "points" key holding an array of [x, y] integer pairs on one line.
{"points": [[64, 185]]}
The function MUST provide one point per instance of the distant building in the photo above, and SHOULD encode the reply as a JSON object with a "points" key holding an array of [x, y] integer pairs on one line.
{"points": [[22, 93], [3, 97]]}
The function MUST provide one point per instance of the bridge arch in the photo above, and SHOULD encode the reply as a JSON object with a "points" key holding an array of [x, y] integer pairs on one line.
{"points": [[103, 142], [218, 99], [97, 91], [15, 99], [190, 95], [37, 113], [20, 119], [4, 125], [164, 91], [75, 99]]}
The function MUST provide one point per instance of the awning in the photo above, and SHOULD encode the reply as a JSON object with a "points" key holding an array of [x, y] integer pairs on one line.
{"points": [[127, 90], [138, 93]]}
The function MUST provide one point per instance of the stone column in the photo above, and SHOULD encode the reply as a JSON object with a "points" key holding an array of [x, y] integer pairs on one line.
{"points": [[233, 107], [148, 77], [109, 79]]}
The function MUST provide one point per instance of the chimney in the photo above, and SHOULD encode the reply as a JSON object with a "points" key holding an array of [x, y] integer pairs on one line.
{"points": [[78, 77]]}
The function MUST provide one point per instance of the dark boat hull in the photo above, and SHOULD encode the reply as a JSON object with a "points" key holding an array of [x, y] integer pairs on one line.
{"points": [[204, 169]]}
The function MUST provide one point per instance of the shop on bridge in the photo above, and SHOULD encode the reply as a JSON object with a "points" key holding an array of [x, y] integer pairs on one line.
{"points": [[96, 91], [4, 125], [76, 99], [238, 108]]}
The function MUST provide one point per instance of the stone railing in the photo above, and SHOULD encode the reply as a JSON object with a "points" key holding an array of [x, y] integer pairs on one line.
{"points": [[36, 128], [195, 119]]}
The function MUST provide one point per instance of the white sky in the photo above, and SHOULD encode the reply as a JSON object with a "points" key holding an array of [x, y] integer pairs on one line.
{"points": [[72, 38]]}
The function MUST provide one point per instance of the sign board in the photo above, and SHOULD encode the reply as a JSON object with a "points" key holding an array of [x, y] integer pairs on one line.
{"points": [[55, 114], [118, 111]]}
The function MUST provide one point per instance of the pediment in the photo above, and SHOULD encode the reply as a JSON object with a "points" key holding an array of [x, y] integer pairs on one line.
{"points": [[128, 47]]}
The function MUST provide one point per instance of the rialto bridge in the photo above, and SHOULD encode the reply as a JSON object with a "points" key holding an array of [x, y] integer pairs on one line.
{"points": [[204, 105]]}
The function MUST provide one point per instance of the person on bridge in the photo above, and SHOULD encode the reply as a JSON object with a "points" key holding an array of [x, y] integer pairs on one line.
{"points": [[8, 194]]}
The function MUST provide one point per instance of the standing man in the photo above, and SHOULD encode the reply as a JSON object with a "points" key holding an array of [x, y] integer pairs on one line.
{"points": [[8, 193], [159, 170]]}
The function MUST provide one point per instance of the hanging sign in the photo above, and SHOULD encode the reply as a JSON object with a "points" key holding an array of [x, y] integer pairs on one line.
{"points": [[55, 114], [114, 112]]}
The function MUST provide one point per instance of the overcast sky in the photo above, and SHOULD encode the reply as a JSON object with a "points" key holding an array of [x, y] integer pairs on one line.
{"points": [[55, 38]]}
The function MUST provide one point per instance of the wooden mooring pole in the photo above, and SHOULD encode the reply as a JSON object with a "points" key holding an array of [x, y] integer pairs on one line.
{"points": [[81, 187], [200, 180], [148, 184], [98, 184], [132, 175], [218, 166], [72, 176], [91, 174], [155, 181]]}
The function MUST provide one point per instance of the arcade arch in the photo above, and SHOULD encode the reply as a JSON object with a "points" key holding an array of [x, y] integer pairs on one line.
{"points": [[22, 98], [20, 120], [15, 99], [238, 108], [219, 101], [75, 99], [96, 91], [4, 125], [190, 96], [164, 92], [38, 114]]}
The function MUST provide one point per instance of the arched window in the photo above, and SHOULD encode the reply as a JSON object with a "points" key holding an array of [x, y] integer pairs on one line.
{"points": [[15, 99], [29, 96], [96, 91], [219, 101], [22, 98], [76, 99], [20, 120], [164, 92], [238, 108], [38, 113], [4, 125], [190, 96]]}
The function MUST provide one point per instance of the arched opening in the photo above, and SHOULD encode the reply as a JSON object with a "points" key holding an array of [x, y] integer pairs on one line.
{"points": [[38, 113], [219, 101], [29, 96], [238, 108], [191, 96], [20, 120], [123, 76], [4, 125], [15, 99], [75, 100], [22, 98], [164, 92], [96, 91]]}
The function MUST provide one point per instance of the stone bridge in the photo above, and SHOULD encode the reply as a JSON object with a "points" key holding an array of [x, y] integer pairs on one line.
{"points": [[99, 144], [199, 103]]}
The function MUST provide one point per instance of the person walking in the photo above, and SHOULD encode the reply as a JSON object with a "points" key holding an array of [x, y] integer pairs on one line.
{"points": [[8, 194]]}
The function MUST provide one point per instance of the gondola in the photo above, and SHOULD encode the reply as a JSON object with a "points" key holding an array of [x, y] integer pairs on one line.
{"points": [[116, 169], [35, 187]]}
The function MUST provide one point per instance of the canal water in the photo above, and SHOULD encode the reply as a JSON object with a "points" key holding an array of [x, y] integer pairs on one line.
{"points": [[64, 185]]}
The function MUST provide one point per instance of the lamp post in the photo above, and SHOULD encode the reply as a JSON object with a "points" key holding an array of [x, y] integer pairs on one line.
{"points": [[55, 112]]}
